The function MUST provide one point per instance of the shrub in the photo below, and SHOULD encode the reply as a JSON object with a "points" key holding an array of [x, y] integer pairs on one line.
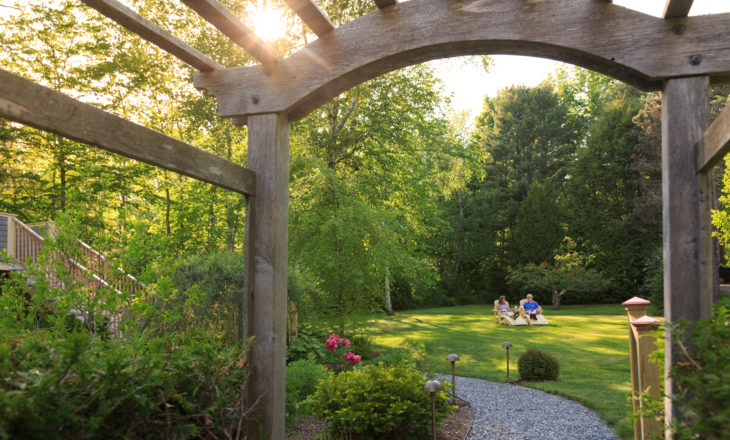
{"points": [[702, 376], [361, 344], [305, 346], [79, 386], [302, 377], [538, 365], [393, 357], [378, 402]]}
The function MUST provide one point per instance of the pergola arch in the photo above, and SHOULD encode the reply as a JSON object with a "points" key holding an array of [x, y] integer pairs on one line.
{"points": [[633, 47]]}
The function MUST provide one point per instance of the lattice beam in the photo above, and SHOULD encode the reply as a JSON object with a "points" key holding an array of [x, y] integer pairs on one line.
{"points": [[715, 143], [23, 101]]}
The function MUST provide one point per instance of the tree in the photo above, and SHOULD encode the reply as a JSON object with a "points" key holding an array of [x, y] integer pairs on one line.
{"points": [[571, 271]]}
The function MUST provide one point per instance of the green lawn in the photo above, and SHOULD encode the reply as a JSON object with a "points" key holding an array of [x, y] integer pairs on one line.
{"points": [[591, 343]]}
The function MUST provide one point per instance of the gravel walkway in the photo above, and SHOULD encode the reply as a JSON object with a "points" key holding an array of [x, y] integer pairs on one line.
{"points": [[501, 412]]}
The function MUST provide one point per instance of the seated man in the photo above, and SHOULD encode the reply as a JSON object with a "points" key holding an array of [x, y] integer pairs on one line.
{"points": [[531, 308]]}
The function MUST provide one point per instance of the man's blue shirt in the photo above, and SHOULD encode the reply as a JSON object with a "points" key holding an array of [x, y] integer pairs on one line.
{"points": [[530, 306]]}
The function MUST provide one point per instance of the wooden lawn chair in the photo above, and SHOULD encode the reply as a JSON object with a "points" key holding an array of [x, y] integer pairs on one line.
{"points": [[502, 318]]}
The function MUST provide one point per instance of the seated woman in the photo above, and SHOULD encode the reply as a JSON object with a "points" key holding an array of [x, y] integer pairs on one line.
{"points": [[503, 307]]}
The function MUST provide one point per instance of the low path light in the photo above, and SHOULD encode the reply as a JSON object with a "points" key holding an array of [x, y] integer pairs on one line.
{"points": [[453, 358], [433, 387], [507, 345]]}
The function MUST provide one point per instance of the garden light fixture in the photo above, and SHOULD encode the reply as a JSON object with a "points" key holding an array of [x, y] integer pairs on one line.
{"points": [[453, 358], [433, 386], [507, 345]]}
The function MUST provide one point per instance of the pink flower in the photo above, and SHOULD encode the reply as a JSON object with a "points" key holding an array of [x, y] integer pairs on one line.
{"points": [[328, 367], [349, 356], [356, 359], [345, 342], [331, 343]]}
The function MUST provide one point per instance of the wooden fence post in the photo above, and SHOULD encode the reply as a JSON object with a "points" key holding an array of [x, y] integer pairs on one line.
{"points": [[266, 259], [645, 374]]}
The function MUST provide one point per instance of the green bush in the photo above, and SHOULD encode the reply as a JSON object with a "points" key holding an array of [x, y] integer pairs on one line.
{"points": [[538, 365], [379, 402], [302, 377], [361, 344], [80, 386], [702, 377], [305, 346], [393, 357]]}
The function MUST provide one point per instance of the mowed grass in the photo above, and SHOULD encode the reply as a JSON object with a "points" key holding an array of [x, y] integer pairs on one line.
{"points": [[590, 342]]}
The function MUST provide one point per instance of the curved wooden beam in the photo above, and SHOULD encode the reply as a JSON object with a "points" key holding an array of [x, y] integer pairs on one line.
{"points": [[636, 48]]}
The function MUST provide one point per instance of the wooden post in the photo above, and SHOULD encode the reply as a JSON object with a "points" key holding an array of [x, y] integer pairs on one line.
{"points": [[686, 212], [266, 258], [644, 328], [644, 374], [635, 308]]}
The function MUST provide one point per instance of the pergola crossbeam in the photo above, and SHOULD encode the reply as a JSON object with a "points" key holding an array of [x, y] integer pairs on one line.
{"points": [[715, 142], [153, 33], [384, 3], [310, 14], [677, 8], [23, 101], [226, 22]]}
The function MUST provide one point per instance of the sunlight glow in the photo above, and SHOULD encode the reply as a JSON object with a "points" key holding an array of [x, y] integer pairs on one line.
{"points": [[269, 23]]}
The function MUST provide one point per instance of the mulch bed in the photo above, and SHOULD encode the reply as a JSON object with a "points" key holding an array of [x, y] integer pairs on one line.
{"points": [[455, 427]]}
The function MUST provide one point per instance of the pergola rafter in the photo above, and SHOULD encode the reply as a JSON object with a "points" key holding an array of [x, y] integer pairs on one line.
{"points": [[384, 3], [677, 8], [310, 14], [153, 33], [226, 22]]}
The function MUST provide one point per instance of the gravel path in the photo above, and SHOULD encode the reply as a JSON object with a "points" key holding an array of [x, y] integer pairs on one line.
{"points": [[501, 412]]}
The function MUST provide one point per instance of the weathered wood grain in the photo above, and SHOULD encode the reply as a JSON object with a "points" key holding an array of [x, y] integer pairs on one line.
{"points": [[23, 101], [224, 20], [153, 33], [310, 14], [267, 235], [384, 3], [677, 8], [715, 143], [634, 47], [685, 211]]}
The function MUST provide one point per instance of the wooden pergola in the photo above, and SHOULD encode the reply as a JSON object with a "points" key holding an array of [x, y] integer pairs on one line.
{"points": [[677, 54]]}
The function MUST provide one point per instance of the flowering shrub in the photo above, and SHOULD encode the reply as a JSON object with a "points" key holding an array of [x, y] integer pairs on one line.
{"points": [[334, 360], [379, 402]]}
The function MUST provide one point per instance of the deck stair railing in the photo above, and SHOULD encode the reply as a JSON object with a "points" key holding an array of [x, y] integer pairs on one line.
{"points": [[24, 245]]}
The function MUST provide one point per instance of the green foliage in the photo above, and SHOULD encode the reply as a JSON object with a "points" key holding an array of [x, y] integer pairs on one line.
{"points": [[538, 365], [379, 402], [539, 225], [79, 386], [302, 377], [305, 346], [208, 296], [702, 376]]}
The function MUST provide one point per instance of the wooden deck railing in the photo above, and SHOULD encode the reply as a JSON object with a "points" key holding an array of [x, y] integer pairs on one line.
{"points": [[85, 264]]}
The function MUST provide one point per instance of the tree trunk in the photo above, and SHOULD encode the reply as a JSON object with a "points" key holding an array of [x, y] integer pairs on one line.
{"points": [[388, 303], [556, 299]]}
